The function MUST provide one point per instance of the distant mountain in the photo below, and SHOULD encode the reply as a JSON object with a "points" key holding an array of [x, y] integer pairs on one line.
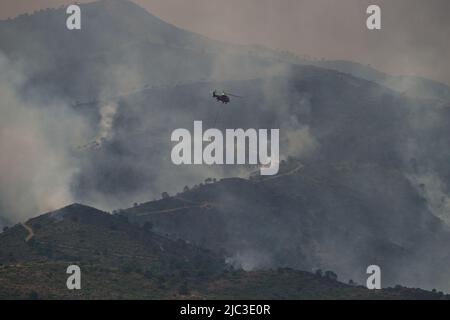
{"points": [[411, 85], [122, 261], [106, 25], [122, 48]]}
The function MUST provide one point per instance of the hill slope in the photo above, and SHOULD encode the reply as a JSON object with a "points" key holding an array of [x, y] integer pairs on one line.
{"points": [[312, 215], [122, 261]]}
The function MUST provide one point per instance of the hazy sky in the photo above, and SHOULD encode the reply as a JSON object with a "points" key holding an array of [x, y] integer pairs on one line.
{"points": [[414, 38]]}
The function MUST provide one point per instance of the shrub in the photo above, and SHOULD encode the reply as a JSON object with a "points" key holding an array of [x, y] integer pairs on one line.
{"points": [[330, 275]]}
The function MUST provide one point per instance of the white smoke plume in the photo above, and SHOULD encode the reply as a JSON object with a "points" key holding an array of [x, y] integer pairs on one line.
{"points": [[433, 189], [107, 114], [105, 127]]}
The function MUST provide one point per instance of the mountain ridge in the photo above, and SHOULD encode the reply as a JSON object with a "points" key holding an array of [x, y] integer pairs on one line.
{"points": [[107, 274], [111, 24]]}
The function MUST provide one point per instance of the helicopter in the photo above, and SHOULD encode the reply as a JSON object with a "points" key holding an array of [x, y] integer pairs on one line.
{"points": [[223, 97]]}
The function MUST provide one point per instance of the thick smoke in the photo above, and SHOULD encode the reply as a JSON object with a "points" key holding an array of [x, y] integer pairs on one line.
{"points": [[152, 90], [36, 164]]}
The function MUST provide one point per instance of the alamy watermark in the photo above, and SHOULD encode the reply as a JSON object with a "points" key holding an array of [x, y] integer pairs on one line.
{"points": [[236, 146], [73, 22], [373, 21], [74, 280], [374, 280]]}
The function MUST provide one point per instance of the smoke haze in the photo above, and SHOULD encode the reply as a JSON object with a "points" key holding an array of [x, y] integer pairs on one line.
{"points": [[36, 141], [413, 39]]}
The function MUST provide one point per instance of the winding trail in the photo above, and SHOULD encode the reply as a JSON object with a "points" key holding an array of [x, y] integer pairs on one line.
{"points": [[202, 205], [289, 173], [30, 232]]}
